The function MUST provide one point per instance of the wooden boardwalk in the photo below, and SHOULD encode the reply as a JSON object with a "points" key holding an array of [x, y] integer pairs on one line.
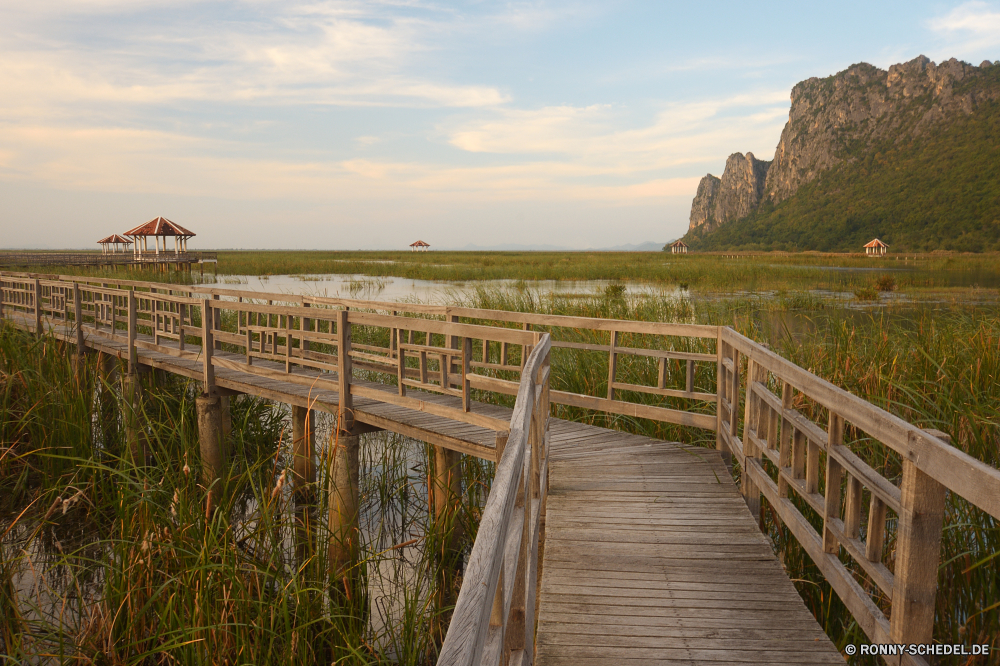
{"points": [[652, 557], [650, 553]]}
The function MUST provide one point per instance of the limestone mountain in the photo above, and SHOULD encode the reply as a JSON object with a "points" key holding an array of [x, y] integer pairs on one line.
{"points": [[732, 197], [911, 155]]}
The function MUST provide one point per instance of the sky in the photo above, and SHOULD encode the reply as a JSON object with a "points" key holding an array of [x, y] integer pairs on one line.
{"points": [[368, 125]]}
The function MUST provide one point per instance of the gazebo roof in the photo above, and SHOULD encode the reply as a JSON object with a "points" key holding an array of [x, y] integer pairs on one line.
{"points": [[114, 238], [159, 226], [420, 243], [876, 243], [678, 243]]}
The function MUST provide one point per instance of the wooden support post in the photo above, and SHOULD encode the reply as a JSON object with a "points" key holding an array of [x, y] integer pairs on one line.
{"points": [[304, 478], [918, 551], [448, 489], [226, 416], [345, 408], [135, 438], [210, 441], [342, 516], [690, 377]]}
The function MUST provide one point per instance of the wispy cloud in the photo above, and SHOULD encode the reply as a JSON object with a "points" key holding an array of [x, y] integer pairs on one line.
{"points": [[969, 28]]}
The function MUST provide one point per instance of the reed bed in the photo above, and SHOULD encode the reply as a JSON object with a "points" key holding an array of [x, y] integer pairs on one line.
{"points": [[106, 561], [749, 273]]}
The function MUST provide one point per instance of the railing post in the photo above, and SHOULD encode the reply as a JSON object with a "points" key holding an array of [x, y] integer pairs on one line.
{"points": [[834, 475], [38, 307], [720, 383], [612, 365], [466, 373], [78, 320], [345, 407], [207, 346], [133, 359], [918, 550], [751, 493], [216, 322]]}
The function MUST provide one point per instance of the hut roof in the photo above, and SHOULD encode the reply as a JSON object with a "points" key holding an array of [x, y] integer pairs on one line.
{"points": [[114, 238], [678, 243], [420, 243], [159, 226], [876, 243]]}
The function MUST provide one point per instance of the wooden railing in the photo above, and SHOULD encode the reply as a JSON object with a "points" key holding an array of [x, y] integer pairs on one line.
{"points": [[494, 619], [100, 258], [784, 426], [802, 468], [678, 350], [311, 346]]}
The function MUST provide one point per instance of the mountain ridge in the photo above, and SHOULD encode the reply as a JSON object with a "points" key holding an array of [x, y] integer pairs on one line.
{"points": [[868, 152]]}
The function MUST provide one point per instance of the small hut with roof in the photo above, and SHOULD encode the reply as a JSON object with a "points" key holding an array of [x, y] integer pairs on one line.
{"points": [[876, 248], [157, 229], [114, 244], [419, 246], [678, 247]]}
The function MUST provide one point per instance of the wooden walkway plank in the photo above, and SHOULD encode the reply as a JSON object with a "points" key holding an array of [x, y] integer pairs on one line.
{"points": [[652, 557]]}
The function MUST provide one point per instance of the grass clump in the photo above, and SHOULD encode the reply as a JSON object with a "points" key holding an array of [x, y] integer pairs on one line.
{"points": [[129, 568]]}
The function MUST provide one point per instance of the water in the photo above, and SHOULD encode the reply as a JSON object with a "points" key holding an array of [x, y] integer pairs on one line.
{"points": [[335, 285]]}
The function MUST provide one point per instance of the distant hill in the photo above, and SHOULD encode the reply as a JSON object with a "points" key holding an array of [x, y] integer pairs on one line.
{"points": [[911, 156]]}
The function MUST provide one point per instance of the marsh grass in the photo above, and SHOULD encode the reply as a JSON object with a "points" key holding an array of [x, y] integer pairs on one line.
{"points": [[106, 561], [936, 368]]}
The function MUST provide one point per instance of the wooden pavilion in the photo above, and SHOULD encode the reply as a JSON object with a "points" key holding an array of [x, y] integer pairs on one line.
{"points": [[114, 244], [419, 246], [876, 248], [159, 228], [678, 247]]}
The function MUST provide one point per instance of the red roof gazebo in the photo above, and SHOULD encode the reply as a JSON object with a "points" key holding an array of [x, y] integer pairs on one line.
{"points": [[875, 247], [110, 244], [157, 228], [419, 246]]}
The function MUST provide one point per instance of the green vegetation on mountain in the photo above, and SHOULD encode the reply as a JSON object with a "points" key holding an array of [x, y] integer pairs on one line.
{"points": [[909, 155], [937, 191]]}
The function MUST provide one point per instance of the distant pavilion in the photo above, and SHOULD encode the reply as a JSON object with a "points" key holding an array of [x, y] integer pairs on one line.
{"points": [[876, 248], [678, 247], [419, 246], [157, 229], [114, 244]]}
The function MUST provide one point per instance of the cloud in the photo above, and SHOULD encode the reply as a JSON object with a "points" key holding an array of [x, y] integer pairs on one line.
{"points": [[971, 27], [339, 53], [598, 135]]}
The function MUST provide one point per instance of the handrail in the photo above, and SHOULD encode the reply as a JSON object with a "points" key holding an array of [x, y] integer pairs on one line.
{"points": [[798, 465], [613, 401], [494, 617], [779, 450]]}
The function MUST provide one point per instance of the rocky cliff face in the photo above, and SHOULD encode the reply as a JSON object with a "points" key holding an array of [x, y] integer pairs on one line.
{"points": [[838, 118], [734, 196]]}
